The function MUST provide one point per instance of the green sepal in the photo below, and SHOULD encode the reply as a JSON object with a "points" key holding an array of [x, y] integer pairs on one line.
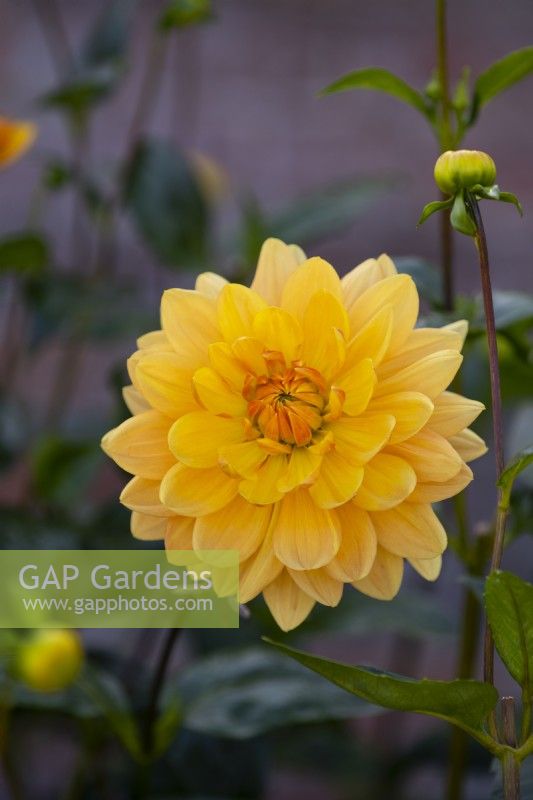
{"points": [[509, 197], [433, 207], [460, 217]]}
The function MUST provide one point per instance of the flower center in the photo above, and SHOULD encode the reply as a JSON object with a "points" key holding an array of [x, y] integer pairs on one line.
{"points": [[286, 405]]}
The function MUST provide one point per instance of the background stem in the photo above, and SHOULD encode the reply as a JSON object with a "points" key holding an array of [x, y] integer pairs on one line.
{"points": [[510, 765], [157, 685], [446, 143]]}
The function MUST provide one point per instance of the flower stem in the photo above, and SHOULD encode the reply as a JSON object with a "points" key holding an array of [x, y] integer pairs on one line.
{"points": [[157, 684], [497, 421], [510, 764]]}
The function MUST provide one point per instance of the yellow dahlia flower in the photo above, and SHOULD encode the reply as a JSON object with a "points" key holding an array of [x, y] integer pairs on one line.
{"points": [[304, 422], [15, 139]]}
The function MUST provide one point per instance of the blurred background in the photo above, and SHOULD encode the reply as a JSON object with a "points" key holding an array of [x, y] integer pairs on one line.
{"points": [[173, 138]]}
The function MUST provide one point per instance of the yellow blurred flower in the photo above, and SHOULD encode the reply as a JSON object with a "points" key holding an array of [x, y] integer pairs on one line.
{"points": [[305, 422], [49, 660], [15, 138]]}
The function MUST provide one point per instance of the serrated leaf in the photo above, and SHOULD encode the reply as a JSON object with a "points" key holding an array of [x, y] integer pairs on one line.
{"points": [[380, 80], [25, 253], [246, 693], [509, 604], [520, 462], [465, 703], [501, 75], [167, 204], [432, 208]]}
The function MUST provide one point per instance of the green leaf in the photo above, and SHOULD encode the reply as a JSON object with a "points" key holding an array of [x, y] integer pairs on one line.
{"points": [[167, 204], [380, 80], [465, 703], [432, 208], [247, 693], [510, 308], [62, 470], [520, 462], [108, 696], [181, 13], [99, 309], [91, 78], [504, 73], [325, 211], [509, 604], [25, 253]]}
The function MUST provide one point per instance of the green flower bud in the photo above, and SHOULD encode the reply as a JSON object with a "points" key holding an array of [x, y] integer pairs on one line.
{"points": [[49, 660], [464, 169]]}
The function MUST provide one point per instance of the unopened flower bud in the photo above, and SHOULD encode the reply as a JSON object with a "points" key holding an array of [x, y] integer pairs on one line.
{"points": [[463, 169], [50, 660]]}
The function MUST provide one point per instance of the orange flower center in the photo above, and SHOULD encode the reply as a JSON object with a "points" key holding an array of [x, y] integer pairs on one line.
{"points": [[286, 405]]}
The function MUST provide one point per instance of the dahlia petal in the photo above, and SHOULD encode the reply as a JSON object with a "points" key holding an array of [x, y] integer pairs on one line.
{"points": [[303, 463], [384, 579], [358, 548], [196, 438], [410, 531], [142, 495], [279, 331], [358, 387], [398, 291], [432, 457], [318, 584], [305, 536], [430, 376], [260, 569], [359, 439], [134, 400], [453, 413], [223, 360], [140, 445], [243, 459], [411, 410], [372, 341], [154, 340], [428, 568], [147, 528], [387, 482], [365, 275], [189, 320], [288, 604], [460, 326], [237, 307], [277, 261], [196, 492], [216, 395], [210, 284], [324, 319], [435, 492], [420, 343], [262, 488], [468, 444], [249, 352], [337, 481], [178, 535], [311, 277], [166, 386], [238, 526]]}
